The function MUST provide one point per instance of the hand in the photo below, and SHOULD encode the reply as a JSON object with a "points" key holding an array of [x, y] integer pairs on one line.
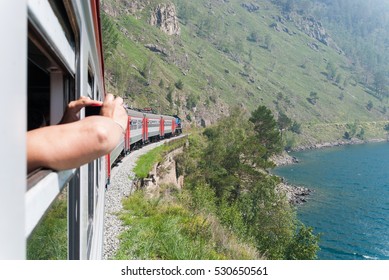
{"points": [[72, 110], [113, 108]]}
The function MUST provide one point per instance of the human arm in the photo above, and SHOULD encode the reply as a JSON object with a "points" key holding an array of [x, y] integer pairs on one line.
{"points": [[73, 144]]}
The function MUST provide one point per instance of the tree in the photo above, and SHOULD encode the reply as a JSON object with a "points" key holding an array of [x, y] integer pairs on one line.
{"points": [[296, 127], [268, 44], [161, 83], [169, 97], [338, 78], [284, 122], [304, 246], [266, 130], [230, 173], [369, 105], [380, 83], [191, 101], [352, 130], [331, 71], [386, 128], [361, 134], [179, 84], [254, 37], [313, 97]]}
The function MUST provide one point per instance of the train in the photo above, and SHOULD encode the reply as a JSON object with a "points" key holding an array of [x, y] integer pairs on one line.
{"points": [[143, 127], [52, 53]]}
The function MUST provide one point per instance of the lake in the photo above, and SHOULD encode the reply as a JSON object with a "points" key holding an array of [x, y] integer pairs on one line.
{"points": [[349, 205]]}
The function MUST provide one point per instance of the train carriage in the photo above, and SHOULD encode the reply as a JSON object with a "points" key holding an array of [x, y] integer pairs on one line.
{"points": [[153, 127], [169, 125], [53, 55], [135, 124]]}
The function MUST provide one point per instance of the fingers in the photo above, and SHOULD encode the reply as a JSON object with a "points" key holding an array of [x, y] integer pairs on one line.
{"points": [[119, 101], [72, 110], [84, 101], [111, 98], [113, 108]]}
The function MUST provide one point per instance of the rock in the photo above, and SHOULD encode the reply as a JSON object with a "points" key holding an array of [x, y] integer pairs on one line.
{"points": [[313, 28], [250, 7], [165, 17], [294, 194], [283, 159], [157, 49], [313, 46]]}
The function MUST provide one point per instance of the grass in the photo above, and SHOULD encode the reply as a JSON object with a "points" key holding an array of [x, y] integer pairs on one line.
{"points": [[146, 162], [164, 228], [49, 239]]}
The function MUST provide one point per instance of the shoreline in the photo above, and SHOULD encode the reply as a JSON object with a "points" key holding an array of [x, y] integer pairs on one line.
{"points": [[337, 143], [297, 195]]}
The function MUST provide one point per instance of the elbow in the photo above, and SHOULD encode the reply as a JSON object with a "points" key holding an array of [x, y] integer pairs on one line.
{"points": [[105, 143], [106, 138]]}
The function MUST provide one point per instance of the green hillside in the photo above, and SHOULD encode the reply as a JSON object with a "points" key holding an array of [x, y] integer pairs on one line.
{"points": [[236, 53]]}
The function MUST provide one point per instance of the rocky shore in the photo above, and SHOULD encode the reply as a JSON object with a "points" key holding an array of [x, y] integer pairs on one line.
{"points": [[295, 195]]}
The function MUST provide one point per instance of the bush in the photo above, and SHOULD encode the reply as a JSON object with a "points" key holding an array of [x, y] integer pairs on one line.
{"points": [[179, 84]]}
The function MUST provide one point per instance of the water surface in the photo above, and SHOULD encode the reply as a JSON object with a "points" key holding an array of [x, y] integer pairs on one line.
{"points": [[350, 203]]}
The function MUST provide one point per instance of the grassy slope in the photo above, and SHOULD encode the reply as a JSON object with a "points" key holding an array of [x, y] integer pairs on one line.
{"points": [[214, 77]]}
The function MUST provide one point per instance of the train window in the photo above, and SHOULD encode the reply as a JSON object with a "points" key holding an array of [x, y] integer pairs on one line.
{"points": [[90, 83], [38, 113], [50, 87], [50, 63]]}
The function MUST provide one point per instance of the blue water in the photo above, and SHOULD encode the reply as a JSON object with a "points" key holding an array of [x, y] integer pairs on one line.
{"points": [[350, 202]]}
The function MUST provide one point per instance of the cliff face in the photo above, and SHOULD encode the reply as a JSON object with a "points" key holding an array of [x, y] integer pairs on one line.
{"points": [[314, 29], [164, 16]]}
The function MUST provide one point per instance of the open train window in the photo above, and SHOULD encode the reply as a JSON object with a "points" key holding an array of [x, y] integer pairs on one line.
{"points": [[51, 61], [50, 87], [38, 113]]}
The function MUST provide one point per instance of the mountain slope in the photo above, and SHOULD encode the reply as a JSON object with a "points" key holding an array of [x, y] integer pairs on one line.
{"points": [[237, 53]]}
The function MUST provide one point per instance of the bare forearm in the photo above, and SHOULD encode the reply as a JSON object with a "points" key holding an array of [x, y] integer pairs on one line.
{"points": [[71, 145]]}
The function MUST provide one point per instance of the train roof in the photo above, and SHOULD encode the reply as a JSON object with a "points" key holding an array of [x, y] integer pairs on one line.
{"points": [[134, 113]]}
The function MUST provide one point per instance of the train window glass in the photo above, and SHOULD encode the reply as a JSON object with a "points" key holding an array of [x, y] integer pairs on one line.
{"points": [[59, 9], [90, 83], [51, 24]]}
